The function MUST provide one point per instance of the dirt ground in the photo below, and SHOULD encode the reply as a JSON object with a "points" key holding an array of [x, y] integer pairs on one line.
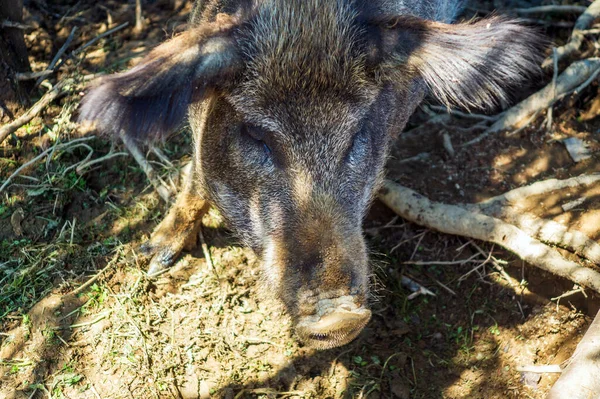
{"points": [[209, 329]]}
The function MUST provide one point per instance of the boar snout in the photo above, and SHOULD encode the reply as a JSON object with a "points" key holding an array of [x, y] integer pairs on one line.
{"points": [[336, 322]]}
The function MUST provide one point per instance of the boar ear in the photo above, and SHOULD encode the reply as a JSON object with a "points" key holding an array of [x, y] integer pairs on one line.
{"points": [[470, 65], [151, 100]]}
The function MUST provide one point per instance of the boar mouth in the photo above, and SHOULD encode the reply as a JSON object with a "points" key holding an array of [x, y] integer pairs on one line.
{"points": [[336, 322]]}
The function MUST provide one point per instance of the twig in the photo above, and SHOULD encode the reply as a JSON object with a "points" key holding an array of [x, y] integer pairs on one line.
{"points": [[92, 280], [59, 54], [568, 294], [15, 25], [442, 285], [268, 391], [454, 219], [583, 22], [479, 266], [161, 188], [549, 368], [441, 262], [106, 157], [94, 40], [585, 84], [558, 24], [525, 124], [551, 9], [40, 156], [576, 74], [22, 76], [206, 252], [490, 118], [139, 21], [416, 288], [419, 157], [31, 113], [554, 77], [496, 263], [447, 142]]}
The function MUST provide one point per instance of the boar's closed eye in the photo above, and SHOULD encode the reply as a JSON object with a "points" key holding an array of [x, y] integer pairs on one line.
{"points": [[255, 137], [359, 149]]}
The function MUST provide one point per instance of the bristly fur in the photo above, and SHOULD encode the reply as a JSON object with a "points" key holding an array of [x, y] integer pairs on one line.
{"points": [[469, 65], [293, 106], [150, 101], [303, 45]]}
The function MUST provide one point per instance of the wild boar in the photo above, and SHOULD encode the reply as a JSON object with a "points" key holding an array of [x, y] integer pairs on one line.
{"points": [[293, 105]]}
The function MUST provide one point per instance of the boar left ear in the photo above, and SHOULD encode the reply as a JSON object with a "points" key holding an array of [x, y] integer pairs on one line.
{"points": [[151, 100], [470, 65]]}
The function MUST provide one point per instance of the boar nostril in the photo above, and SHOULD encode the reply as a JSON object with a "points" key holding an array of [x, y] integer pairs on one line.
{"points": [[337, 324], [319, 337]]}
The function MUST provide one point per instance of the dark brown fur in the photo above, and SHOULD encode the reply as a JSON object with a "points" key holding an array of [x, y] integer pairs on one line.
{"points": [[293, 104]]}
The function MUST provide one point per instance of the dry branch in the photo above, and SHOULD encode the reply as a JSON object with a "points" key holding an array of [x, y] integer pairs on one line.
{"points": [[571, 79], [139, 22], [541, 187], [160, 186], [583, 22], [581, 378], [50, 151], [31, 113], [21, 76], [59, 54], [94, 40], [459, 220], [551, 9]]}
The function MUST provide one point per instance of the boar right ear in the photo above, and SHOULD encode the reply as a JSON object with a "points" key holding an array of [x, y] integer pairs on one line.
{"points": [[469, 64], [151, 100]]}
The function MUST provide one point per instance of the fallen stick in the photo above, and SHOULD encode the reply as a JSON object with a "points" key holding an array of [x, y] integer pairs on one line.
{"points": [[59, 54], [15, 25], [32, 112], [95, 39], [548, 368], [541, 187], [583, 22], [50, 151], [161, 188], [551, 9], [457, 220], [22, 76], [577, 73], [581, 378]]}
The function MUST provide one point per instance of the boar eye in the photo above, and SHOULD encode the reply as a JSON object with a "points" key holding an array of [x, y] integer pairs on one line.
{"points": [[359, 149], [256, 137]]}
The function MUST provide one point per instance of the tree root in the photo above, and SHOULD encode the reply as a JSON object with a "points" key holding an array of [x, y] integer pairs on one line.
{"points": [[581, 378], [572, 79], [583, 22], [471, 221]]}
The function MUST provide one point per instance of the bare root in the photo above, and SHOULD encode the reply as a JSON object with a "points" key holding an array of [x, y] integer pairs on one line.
{"points": [[572, 79], [469, 222], [583, 22], [581, 378], [164, 191]]}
